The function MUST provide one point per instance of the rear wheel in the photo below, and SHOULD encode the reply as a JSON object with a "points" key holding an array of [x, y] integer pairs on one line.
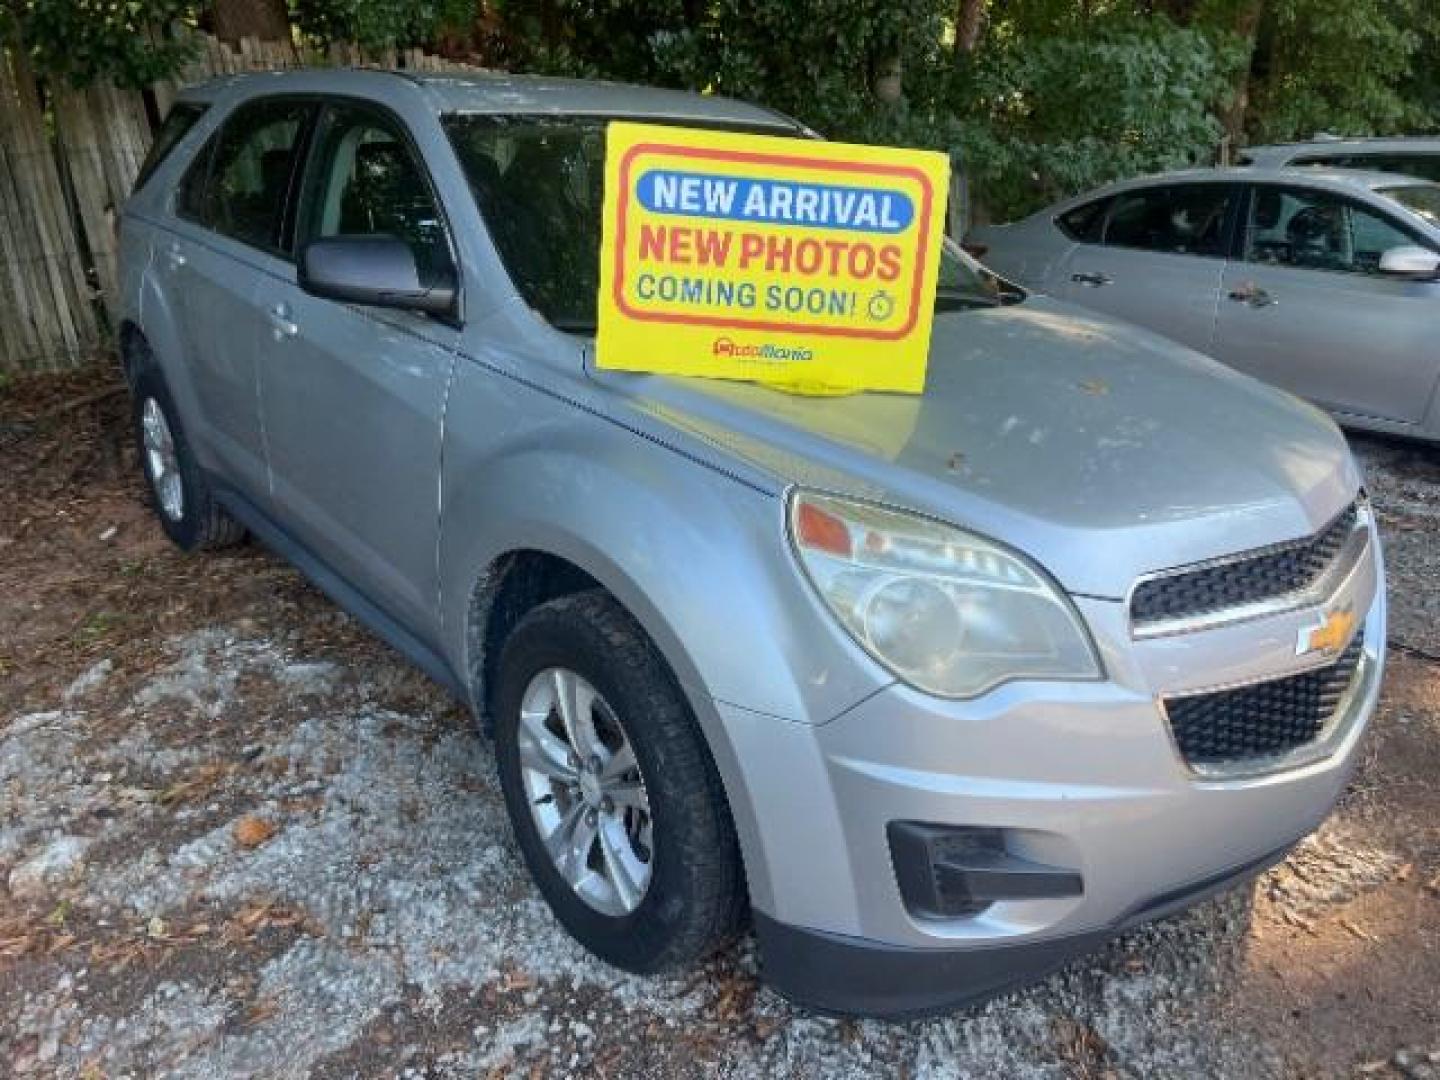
{"points": [[179, 492], [616, 805]]}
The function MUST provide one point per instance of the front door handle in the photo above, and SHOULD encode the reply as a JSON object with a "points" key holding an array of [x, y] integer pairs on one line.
{"points": [[1252, 294], [1094, 279], [281, 325]]}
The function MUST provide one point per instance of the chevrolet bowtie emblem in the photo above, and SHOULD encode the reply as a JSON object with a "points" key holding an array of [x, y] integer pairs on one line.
{"points": [[1330, 634]]}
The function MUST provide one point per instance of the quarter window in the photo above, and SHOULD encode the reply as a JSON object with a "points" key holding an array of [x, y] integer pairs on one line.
{"points": [[180, 119], [367, 182], [250, 167], [1315, 230], [1084, 223], [1183, 219]]}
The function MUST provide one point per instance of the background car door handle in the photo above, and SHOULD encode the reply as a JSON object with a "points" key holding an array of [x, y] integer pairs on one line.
{"points": [[281, 325], [1094, 280], [1253, 295]]}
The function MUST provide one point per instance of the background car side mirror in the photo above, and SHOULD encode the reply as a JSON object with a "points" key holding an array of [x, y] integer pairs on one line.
{"points": [[1410, 261], [380, 271]]}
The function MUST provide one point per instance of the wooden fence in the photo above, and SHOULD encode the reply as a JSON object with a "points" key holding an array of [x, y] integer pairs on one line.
{"points": [[67, 160]]}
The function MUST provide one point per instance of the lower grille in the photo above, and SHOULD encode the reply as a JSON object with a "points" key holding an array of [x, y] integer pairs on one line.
{"points": [[1230, 727]]}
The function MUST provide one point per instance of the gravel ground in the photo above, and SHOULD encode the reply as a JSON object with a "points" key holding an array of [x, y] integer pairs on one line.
{"points": [[240, 837]]}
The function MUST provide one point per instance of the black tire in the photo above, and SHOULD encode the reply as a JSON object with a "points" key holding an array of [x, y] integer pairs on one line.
{"points": [[695, 898], [201, 522]]}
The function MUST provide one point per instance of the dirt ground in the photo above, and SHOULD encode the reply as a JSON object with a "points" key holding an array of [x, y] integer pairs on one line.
{"points": [[239, 836]]}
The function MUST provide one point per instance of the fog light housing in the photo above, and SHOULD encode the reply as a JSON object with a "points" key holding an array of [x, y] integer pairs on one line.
{"points": [[957, 871]]}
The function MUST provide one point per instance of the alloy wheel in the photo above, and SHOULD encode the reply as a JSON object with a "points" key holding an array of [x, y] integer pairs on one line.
{"points": [[162, 461], [585, 792]]}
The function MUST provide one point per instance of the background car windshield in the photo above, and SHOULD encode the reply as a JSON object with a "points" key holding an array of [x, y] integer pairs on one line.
{"points": [[539, 182], [1422, 199]]}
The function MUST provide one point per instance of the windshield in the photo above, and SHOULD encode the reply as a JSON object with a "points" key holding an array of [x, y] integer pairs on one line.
{"points": [[539, 182], [1422, 199]]}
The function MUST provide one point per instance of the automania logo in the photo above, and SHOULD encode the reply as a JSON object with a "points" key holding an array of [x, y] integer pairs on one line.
{"points": [[766, 352]]}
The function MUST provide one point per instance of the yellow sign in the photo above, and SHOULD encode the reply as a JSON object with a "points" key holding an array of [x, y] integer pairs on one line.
{"points": [[803, 264]]}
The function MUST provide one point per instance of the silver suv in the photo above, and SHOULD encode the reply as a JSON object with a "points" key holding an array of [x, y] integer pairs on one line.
{"points": [[935, 690]]}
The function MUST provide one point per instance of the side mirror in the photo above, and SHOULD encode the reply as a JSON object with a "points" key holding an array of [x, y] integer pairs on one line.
{"points": [[1410, 261], [379, 271]]}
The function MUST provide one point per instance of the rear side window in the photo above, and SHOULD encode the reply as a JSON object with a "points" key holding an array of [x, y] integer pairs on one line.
{"points": [[182, 117], [1183, 219], [1084, 223], [241, 185]]}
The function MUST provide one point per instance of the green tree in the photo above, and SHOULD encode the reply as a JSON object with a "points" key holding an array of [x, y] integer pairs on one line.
{"points": [[82, 41]]}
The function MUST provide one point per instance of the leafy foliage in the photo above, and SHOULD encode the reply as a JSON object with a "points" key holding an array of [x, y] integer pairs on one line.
{"points": [[1340, 67], [379, 24], [1043, 117], [1042, 98], [82, 41]]}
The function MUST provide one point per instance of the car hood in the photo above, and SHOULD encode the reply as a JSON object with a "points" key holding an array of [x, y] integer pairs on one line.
{"points": [[1100, 450]]}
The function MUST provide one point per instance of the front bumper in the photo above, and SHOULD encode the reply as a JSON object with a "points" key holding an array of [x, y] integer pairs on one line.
{"points": [[1079, 776]]}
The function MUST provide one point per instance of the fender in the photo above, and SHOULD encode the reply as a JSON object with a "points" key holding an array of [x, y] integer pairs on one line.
{"points": [[149, 308], [697, 557]]}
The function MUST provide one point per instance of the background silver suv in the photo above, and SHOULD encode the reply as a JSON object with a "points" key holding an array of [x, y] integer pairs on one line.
{"points": [[939, 689], [1323, 282]]}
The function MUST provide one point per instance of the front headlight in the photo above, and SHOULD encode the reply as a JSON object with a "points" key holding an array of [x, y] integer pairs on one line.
{"points": [[948, 612]]}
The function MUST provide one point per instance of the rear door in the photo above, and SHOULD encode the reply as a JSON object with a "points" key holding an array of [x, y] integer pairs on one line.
{"points": [[1306, 308], [1157, 261], [230, 237], [354, 396]]}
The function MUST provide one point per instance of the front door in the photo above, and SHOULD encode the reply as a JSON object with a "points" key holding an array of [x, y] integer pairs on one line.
{"points": [[354, 397], [1307, 309], [1158, 263]]}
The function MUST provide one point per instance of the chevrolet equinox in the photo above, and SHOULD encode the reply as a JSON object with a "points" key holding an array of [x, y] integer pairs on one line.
{"points": [[934, 691]]}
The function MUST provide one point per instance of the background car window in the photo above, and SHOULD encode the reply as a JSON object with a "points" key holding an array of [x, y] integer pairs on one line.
{"points": [[367, 182], [1185, 219], [178, 121], [250, 172], [1425, 166], [1316, 230], [1084, 223]]}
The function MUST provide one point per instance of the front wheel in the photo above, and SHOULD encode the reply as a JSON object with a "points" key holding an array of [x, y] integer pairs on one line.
{"points": [[615, 802]]}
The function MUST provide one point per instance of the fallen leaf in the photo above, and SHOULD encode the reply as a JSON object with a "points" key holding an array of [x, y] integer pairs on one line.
{"points": [[251, 831]]}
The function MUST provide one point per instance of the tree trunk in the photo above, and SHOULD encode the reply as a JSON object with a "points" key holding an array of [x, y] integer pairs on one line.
{"points": [[1247, 28], [231, 20], [969, 21]]}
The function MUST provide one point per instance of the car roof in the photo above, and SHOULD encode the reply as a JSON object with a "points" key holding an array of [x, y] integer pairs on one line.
{"points": [[1280, 153], [1342, 180], [494, 93]]}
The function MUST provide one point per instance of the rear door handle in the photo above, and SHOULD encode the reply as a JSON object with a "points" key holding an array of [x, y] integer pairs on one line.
{"points": [[281, 325], [1094, 280], [175, 256], [1253, 295]]}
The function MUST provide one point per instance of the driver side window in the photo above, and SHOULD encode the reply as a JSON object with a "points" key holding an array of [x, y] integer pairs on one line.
{"points": [[366, 181], [1315, 230]]}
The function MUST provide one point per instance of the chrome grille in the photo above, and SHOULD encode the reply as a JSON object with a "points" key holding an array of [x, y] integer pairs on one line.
{"points": [[1245, 579], [1230, 727]]}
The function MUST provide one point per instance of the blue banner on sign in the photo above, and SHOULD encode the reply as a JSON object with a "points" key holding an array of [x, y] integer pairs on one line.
{"points": [[776, 202]]}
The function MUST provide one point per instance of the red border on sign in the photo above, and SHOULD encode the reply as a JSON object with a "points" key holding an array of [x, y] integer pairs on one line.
{"points": [[760, 158]]}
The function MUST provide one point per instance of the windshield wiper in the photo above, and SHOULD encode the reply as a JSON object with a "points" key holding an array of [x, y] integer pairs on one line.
{"points": [[574, 325], [952, 299]]}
